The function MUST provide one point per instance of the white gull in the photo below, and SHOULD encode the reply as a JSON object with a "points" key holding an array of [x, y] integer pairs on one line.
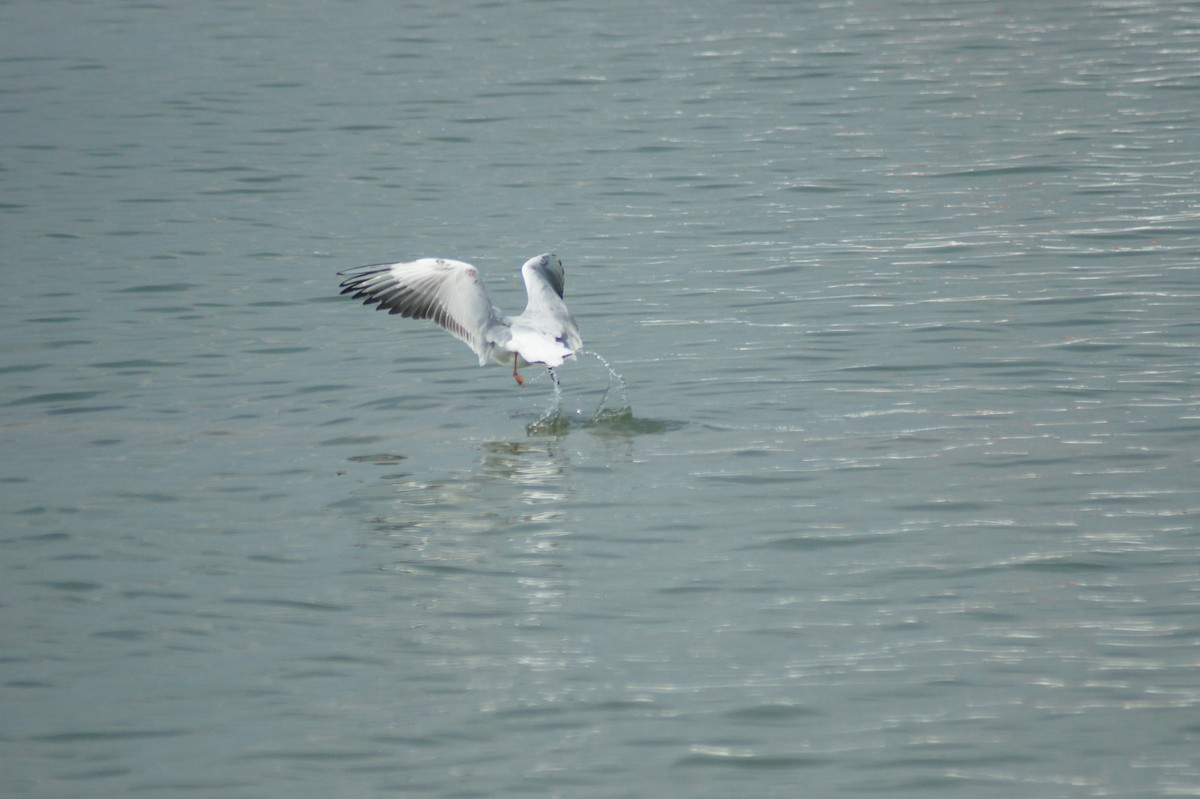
{"points": [[452, 294]]}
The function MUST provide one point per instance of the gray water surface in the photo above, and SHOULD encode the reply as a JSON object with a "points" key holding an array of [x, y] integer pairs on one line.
{"points": [[903, 502]]}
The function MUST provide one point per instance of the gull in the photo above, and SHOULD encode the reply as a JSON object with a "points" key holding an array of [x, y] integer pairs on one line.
{"points": [[452, 294]]}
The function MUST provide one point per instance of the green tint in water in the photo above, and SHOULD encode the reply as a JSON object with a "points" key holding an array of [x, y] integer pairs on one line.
{"points": [[604, 422], [549, 424], [623, 423]]}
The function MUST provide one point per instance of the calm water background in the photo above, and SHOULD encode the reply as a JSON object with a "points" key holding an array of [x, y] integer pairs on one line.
{"points": [[905, 295]]}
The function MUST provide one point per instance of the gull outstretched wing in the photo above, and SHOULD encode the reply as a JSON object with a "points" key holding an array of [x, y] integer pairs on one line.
{"points": [[451, 293]]}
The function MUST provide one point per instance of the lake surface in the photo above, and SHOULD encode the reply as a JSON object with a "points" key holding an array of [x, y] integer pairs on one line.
{"points": [[901, 497]]}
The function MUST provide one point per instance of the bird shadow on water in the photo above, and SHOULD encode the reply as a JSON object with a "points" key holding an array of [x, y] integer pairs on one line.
{"points": [[613, 415]]}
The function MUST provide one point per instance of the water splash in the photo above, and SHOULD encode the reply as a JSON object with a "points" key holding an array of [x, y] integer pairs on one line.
{"points": [[614, 380], [554, 420], [613, 415], [549, 424]]}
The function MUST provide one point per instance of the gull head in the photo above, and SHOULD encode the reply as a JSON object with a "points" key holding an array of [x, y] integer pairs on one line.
{"points": [[542, 261]]}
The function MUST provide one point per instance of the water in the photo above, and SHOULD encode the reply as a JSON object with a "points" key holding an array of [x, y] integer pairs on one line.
{"points": [[899, 499]]}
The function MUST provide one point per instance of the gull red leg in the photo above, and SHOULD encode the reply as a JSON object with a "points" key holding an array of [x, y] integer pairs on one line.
{"points": [[517, 377]]}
